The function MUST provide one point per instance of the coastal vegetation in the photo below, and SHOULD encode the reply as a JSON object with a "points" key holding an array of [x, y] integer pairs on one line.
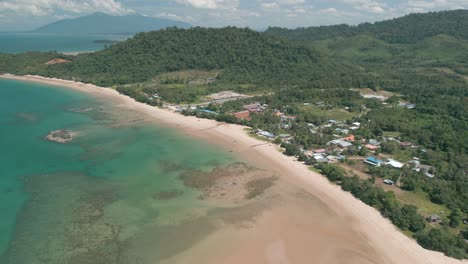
{"points": [[404, 216], [304, 80]]}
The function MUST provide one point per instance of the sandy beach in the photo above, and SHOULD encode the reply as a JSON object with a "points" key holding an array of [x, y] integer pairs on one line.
{"points": [[313, 222]]}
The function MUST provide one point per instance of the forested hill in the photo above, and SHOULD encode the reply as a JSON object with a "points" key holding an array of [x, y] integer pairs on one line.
{"points": [[100, 23], [242, 56], [408, 29]]}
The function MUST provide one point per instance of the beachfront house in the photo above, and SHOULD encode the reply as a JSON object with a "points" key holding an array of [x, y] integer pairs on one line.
{"points": [[206, 111], [373, 161], [243, 115], [321, 160], [265, 134]]}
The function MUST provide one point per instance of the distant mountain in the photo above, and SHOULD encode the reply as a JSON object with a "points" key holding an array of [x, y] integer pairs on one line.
{"points": [[103, 24], [408, 29]]}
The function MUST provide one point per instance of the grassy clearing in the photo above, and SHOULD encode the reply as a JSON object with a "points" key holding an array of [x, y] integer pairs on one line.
{"points": [[336, 114], [183, 77], [391, 134], [421, 200], [403, 155]]}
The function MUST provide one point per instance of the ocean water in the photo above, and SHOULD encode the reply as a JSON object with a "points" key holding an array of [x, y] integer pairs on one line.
{"points": [[22, 42], [103, 197]]}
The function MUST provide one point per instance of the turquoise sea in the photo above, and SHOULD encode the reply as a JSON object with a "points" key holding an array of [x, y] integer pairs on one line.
{"points": [[22, 42], [111, 195]]}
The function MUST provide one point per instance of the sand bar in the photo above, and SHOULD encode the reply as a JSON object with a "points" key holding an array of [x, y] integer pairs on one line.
{"points": [[295, 239]]}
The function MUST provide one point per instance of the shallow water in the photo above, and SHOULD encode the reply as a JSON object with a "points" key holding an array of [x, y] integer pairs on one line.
{"points": [[23, 42], [96, 199]]}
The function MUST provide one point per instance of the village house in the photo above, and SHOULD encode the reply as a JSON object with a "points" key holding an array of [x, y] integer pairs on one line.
{"points": [[342, 131], [334, 159], [371, 147], [341, 143], [308, 153], [425, 169], [320, 159], [434, 218], [394, 163], [319, 151], [277, 113], [405, 144], [243, 115], [373, 161], [254, 108], [349, 138]]}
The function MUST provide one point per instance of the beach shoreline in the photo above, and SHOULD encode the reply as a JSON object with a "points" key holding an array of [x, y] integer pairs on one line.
{"points": [[381, 234]]}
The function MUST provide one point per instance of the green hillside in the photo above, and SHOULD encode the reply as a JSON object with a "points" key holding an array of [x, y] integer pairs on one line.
{"points": [[241, 55]]}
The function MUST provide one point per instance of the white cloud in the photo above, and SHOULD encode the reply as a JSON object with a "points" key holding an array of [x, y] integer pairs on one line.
{"points": [[211, 4], [270, 5], [424, 5], [171, 16], [59, 7], [370, 6], [291, 2]]}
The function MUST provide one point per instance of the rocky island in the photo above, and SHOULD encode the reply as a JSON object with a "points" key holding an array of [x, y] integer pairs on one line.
{"points": [[61, 136]]}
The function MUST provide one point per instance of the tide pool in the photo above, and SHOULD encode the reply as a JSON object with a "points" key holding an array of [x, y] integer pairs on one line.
{"points": [[102, 197]]}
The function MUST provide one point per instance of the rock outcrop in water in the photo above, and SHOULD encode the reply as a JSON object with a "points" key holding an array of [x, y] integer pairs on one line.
{"points": [[61, 136]]}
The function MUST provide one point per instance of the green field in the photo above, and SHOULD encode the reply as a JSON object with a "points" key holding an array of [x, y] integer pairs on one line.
{"points": [[335, 114]]}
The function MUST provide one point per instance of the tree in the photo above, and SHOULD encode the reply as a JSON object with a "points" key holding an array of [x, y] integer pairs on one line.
{"points": [[362, 152], [393, 100], [389, 146], [290, 149], [455, 217]]}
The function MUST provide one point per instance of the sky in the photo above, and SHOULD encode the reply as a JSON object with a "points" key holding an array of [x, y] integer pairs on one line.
{"points": [[18, 15]]}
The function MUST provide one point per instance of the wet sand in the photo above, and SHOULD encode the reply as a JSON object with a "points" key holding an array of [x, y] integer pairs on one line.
{"points": [[303, 218]]}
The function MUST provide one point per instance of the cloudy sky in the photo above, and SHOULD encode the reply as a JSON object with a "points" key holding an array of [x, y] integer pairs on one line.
{"points": [[258, 14]]}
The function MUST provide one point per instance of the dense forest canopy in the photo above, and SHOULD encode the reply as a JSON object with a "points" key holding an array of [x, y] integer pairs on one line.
{"points": [[242, 55], [408, 29]]}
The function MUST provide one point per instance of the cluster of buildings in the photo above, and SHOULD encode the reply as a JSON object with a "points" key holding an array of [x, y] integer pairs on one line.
{"points": [[425, 169], [249, 109], [390, 162]]}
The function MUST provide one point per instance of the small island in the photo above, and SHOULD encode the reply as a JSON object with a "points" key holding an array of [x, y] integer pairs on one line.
{"points": [[61, 136]]}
